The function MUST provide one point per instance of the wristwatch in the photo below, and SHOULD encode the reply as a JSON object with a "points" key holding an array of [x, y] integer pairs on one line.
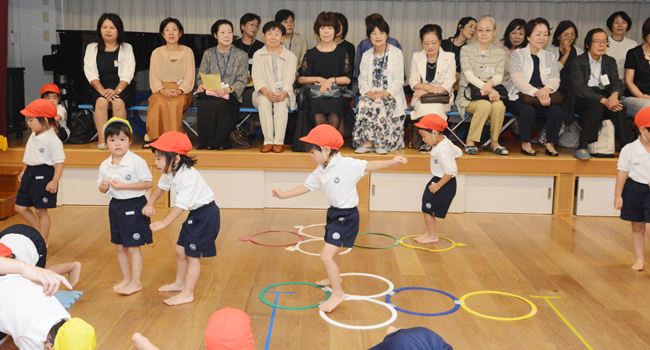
{"points": [[118, 90]]}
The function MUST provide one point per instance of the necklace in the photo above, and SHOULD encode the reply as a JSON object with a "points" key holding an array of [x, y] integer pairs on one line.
{"points": [[111, 49]]}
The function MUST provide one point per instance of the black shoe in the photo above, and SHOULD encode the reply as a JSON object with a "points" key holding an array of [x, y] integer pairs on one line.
{"points": [[209, 148], [199, 147], [528, 153], [549, 153], [221, 148]]}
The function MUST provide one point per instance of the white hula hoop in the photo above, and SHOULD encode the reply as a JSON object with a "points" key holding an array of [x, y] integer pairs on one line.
{"points": [[391, 286], [297, 247], [301, 228], [342, 325]]}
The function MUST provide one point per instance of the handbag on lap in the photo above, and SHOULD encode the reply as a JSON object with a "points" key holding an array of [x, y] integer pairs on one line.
{"points": [[556, 99], [435, 98], [475, 93]]}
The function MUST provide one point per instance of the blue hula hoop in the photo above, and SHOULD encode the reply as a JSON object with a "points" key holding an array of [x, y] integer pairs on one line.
{"points": [[454, 309]]}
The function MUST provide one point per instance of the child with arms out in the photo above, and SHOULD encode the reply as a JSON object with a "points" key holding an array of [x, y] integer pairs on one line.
{"points": [[125, 177], [199, 231], [337, 176]]}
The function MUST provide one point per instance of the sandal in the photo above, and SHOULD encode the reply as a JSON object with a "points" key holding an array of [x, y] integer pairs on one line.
{"points": [[473, 150], [500, 150]]}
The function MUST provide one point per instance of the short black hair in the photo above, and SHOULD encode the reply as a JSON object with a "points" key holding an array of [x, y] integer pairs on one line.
{"points": [[380, 24], [168, 20], [312, 146], [215, 27], [530, 26], [54, 331], [48, 123], [344, 24], [284, 15], [46, 93], [326, 19], [115, 128], [117, 22], [247, 18], [274, 25], [169, 159], [513, 25], [624, 16], [645, 30], [561, 28], [590, 36], [462, 23], [431, 28]]}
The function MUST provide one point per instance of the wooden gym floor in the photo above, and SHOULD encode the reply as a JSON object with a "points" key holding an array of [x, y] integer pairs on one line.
{"points": [[584, 261]]}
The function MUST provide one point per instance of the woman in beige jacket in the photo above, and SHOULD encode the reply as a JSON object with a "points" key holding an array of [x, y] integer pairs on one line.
{"points": [[273, 76]]}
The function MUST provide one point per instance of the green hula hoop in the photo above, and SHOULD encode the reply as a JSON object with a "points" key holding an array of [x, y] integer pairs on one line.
{"points": [[263, 291], [381, 234]]}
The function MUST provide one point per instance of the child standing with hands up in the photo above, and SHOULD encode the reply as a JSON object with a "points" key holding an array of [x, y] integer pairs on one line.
{"points": [[337, 176]]}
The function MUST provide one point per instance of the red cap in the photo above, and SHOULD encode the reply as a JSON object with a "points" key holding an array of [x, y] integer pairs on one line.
{"points": [[40, 108], [324, 135], [642, 118], [229, 329], [50, 88], [172, 141], [5, 252], [432, 122]]}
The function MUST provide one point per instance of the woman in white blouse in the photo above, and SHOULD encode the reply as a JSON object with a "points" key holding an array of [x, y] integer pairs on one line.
{"points": [[533, 71], [380, 117], [619, 24], [433, 71], [273, 75], [109, 66]]}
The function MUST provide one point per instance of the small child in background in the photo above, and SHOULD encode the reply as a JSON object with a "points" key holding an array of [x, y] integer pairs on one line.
{"points": [[200, 229], [44, 157], [125, 177], [337, 176], [632, 192], [440, 191], [52, 93]]}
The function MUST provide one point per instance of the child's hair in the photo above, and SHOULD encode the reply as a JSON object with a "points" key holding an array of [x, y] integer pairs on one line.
{"points": [[116, 128], [48, 123], [427, 130], [55, 329], [319, 148], [47, 93], [169, 160]]}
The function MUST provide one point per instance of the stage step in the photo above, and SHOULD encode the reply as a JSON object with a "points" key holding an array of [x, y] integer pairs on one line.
{"points": [[9, 186], [7, 202]]}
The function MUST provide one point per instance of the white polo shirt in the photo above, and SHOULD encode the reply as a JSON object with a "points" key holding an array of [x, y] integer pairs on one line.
{"points": [[338, 181], [45, 148], [636, 161], [191, 191], [443, 158], [132, 169], [60, 110], [27, 314]]}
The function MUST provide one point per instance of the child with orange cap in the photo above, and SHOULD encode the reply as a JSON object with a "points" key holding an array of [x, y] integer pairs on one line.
{"points": [[52, 93], [44, 157], [440, 191], [337, 176], [632, 193], [201, 227]]}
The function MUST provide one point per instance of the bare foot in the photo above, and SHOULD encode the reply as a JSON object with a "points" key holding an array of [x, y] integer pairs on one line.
{"points": [[121, 285], [179, 299], [171, 288], [130, 288], [142, 343], [326, 282], [73, 276], [427, 238], [638, 265], [331, 303]]}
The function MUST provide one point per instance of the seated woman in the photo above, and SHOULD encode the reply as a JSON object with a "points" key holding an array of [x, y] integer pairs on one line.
{"points": [[295, 42], [217, 110], [597, 87], [380, 117], [533, 72], [482, 66], [273, 75], [109, 66], [433, 71], [513, 38], [619, 24], [564, 49], [637, 74], [365, 44], [171, 77], [329, 66], [249, 25], [464, 33]]}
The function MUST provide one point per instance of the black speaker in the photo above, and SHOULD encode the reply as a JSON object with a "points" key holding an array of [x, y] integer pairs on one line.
{"points": [[15, 100]]}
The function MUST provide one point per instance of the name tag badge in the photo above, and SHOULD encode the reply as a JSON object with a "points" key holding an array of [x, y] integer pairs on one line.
{"points": [[545, 71], [250, 61], [490, 70], [604, 79], [179, 82], [116, 63], [224, 85], [39, 178], [278, 85], [130, 213]]}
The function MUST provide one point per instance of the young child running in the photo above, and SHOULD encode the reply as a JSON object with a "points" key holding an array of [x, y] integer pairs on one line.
{"points": [[52, 93], [44, 157], [337, 176], [201, 227], [440, 191], [125, 177], [632, 193]]}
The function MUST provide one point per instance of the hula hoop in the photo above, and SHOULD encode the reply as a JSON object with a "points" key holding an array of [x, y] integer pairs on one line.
{"points": [[297, 247], [381, 234], [250, 239], [453, 244], [302, 228], [261, 296], [342, 325], [390, 284], [454, 309], [532, 312]]}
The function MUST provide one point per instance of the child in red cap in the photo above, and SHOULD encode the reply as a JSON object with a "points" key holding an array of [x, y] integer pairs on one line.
{"points": [[632, 193], [44, 157], [52, 93], [337, 176], [201, 227], [440, 191]]}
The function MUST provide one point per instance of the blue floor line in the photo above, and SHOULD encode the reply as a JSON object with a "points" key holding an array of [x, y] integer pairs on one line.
{"points": [[268, 335]]}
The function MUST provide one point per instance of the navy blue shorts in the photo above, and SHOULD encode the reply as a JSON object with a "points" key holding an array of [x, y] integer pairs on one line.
{"points": [[437, 204], [129, 227], [342, 227], [413, 338], [32, 191], [636, 202], [200, 230], [34, 236]]}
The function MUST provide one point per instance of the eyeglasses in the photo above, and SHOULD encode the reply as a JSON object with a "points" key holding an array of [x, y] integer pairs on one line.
{"points": [[600, 42]]}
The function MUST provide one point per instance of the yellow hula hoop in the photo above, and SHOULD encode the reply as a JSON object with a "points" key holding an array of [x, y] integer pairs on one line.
{"points": [[532, 312], [453, 244]]}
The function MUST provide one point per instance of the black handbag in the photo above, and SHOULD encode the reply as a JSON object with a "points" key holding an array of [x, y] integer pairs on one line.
{"points": [[435, 98], [475, 93], [239, 137]]}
